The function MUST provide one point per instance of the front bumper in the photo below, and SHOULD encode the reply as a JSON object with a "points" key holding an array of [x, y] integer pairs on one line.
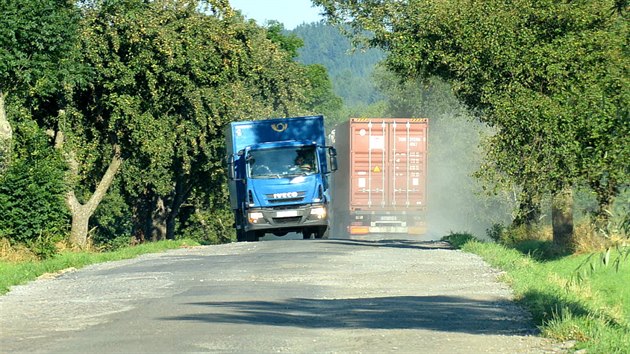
{"points": [[289, 219], [362, 230]]}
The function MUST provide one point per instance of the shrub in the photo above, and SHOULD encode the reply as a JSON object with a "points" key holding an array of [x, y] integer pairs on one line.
{"points": [[116, 243], [211, 226], [459, 239], [32, 195], [513, 235]]}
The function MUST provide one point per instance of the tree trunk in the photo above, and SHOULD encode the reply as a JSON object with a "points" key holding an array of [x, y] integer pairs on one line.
{"points": [[81, 213], [562, 218], [80, 222], [158, 221], [6, 137], [181, 195]]}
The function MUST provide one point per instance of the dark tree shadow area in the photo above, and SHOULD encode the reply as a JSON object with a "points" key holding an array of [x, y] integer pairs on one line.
{"points": [[439, 313]]}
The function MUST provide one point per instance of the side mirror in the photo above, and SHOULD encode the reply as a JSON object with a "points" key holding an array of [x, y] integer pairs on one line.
{"points": [[332, 153], [230, 167]]}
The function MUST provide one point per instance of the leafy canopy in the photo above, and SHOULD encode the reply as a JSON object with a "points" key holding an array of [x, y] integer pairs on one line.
{"points": [[551, 77]]}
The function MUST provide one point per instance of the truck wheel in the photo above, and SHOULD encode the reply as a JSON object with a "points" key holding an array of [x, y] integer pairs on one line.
{"points": [[306, 234], [323, 232], [238, 220], [251, 236], [240, 235]]}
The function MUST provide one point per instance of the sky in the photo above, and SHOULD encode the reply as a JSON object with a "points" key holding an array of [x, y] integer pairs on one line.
{"points": [[291, 13]]}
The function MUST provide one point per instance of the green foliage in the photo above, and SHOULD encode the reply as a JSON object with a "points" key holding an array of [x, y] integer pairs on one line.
{"points": [[209, 226], [321, 97], [513, 235], [589, 313], [289, 42], [159, 80], [616, 225], [36, 37], [115, 243], [112, 222], [530, 240], [32, 193], [459, 239], [548, 76], [165, 80]]}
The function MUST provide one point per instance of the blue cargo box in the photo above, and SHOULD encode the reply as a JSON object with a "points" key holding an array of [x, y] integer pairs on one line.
{"points": [[247, 133]]}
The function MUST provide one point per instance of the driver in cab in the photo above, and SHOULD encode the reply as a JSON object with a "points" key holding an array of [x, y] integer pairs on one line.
{"points": [[302, 164]]}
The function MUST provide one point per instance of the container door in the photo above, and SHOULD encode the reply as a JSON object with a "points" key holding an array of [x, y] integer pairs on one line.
{"points": [[407, 175], [368, 158]]}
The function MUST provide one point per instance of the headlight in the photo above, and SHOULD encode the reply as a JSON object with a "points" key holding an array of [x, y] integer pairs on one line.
{"points": [[319, 212], [254, 217]]}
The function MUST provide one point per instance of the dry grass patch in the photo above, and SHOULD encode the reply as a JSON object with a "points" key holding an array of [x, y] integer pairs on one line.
{"points": [[15, 254]]}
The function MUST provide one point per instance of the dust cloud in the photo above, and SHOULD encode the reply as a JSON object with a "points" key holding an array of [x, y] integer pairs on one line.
{"points": [[455, 199]]}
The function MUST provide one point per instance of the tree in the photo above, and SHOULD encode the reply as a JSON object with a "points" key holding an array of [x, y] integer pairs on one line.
{"points": [[321, 98], [545, 74], [167, 76], [35, 39], [288, 42]]}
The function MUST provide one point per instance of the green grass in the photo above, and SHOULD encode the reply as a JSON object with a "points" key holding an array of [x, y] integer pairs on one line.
{"points": [[593, 308], [12, 273]]}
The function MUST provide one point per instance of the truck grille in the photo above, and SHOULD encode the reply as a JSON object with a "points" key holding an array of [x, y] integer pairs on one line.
{"points": [[286, 200], [285, 197], [293, 219]]}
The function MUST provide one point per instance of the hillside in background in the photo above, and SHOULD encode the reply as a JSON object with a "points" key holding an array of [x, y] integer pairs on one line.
{"points": [[350, 71]]}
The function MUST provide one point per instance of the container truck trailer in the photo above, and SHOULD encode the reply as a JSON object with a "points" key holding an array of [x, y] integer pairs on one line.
{"points": [[381, 184]]}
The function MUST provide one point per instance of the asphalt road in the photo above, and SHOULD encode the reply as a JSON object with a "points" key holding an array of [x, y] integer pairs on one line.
{"points": [[375, 295]]}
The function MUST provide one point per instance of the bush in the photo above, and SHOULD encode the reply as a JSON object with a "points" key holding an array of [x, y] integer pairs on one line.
{"points": [[213, 226], [459, 239], [32, 195], [514, 235], [116, 243], [495, 232]]}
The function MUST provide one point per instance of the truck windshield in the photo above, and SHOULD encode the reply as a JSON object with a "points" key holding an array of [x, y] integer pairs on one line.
{"points": [[282, 162]]}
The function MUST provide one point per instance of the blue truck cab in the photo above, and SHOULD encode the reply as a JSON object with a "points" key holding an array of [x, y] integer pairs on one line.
{"points": [[278, 176]]}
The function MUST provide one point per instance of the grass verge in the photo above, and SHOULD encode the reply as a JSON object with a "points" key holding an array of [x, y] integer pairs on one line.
{"points": [[592, 309], [15, 273]]}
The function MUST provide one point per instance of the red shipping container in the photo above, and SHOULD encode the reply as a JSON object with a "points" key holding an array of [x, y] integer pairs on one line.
{"points": [[382, 179]]}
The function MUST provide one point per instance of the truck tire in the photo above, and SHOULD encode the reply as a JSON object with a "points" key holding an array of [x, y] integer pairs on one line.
{"points": [[323, 232], [240, 235], [306, 234], [251, 236]]}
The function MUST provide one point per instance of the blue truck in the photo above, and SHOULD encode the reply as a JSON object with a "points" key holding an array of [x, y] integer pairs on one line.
{"points": [[278, 173]]}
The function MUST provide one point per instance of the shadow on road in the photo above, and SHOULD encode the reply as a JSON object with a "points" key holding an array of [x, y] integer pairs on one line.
{"points": [[394, 243], [439, 313]]}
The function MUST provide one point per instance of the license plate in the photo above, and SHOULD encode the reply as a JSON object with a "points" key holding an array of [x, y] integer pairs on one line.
{"points": [[286, 213]]}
